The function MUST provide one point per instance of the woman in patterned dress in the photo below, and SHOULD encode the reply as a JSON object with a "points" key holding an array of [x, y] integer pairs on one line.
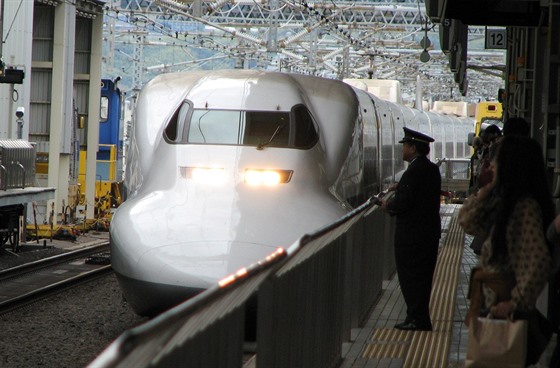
{"points": [[512, 213]]}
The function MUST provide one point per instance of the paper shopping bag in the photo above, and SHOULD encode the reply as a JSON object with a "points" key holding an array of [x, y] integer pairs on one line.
{"points": [[496, 343]]}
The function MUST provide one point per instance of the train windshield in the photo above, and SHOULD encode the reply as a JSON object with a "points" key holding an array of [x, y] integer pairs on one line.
{"points": [[294, 129], [487, 122]]}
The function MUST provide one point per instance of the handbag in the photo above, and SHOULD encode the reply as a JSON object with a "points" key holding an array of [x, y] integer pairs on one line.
{"points": [[539, 328], [496, 343]]}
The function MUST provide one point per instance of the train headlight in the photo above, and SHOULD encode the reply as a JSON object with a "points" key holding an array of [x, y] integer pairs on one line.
{"points": [[206, 175], [267, 177]]}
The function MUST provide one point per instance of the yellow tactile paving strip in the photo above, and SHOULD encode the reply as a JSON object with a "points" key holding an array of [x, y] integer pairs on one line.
{"points": [[388, 343], [421, 348]]}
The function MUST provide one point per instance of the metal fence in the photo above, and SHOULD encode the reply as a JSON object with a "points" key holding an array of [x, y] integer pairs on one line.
{"points": [[309, 297], [455, 178]]}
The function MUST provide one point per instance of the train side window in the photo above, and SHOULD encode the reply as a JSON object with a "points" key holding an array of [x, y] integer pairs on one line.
{"points": [[175, 128], [305, 132], [104, 109]]}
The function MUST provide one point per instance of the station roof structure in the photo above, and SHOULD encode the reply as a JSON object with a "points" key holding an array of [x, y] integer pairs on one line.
{"points": [[383, 39]]}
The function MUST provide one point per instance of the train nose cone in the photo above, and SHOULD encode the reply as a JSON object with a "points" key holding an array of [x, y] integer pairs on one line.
{"points": [[167, 275], [201, 264]]}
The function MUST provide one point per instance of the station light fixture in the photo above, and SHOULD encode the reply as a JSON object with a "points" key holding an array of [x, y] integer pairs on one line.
{"points": [[425, 56]]}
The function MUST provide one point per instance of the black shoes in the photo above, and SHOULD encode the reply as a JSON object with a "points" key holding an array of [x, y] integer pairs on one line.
{"points": [[414, 326], [399, 326]]}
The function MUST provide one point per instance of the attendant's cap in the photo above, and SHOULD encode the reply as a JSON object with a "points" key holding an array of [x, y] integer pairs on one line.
{"points": [[412, 136]]}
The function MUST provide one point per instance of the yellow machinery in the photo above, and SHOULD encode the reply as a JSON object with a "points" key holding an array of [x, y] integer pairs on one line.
{"points": [[488, 113], [107, 188], [74, 221]]}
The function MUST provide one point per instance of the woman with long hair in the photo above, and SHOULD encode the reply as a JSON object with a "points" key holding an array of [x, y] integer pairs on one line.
{"points": [[512, 213]]}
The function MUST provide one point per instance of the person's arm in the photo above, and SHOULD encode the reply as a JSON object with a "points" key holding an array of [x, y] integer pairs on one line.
{"points": [[470, 210], [404, 195]]}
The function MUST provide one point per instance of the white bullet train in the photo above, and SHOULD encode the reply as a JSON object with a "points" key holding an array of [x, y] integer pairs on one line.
{"points": [[226, 166]]}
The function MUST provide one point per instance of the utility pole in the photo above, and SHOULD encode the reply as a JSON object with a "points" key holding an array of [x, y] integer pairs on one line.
{"points": [[2, 66]]}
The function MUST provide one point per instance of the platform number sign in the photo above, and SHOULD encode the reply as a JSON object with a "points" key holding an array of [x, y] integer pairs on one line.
{"points": [[496, 38]]}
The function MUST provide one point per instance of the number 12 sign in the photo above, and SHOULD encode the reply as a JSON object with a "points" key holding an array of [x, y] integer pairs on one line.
{"points": [[496, 38]]}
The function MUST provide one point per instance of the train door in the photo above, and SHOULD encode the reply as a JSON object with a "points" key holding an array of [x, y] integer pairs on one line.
{"points": [[457, 144], [371, 143], [410, 118], [447, 125], [461, 129], [381, 136], [397, 124], [437, 129], [465, 127]]}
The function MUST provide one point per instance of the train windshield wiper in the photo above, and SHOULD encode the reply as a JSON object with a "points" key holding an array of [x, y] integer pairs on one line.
{"points": [[279, 128]]}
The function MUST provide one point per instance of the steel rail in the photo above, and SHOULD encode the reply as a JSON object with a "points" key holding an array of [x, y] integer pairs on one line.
{"points": [[52, 289], [51, 261], [22, 296]]}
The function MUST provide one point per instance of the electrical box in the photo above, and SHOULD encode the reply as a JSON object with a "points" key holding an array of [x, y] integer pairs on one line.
{"points": [[17, 164]]}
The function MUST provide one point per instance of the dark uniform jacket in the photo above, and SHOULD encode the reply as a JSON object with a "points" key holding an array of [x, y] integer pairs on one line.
{"points": [[416, 203]]}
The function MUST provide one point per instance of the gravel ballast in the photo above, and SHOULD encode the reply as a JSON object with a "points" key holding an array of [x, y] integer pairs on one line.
{"points": [[67, 330]]}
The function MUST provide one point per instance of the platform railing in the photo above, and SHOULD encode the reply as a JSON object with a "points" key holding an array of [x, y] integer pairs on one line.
{"points": [[329, 277], [205, 331], [309, 298]]}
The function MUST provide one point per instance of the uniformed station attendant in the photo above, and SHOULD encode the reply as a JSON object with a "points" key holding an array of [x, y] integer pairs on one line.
{"points": [[416, 205]]}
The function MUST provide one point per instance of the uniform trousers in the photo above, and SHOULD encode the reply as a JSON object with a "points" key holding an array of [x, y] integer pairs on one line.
{"points": [[415, 268]]}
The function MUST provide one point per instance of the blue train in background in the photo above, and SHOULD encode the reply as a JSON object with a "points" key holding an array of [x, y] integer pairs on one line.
{"points": [[109, 168], [109, 158], [110, 120]]}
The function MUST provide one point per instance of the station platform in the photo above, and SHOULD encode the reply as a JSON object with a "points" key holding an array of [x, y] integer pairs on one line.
{"points": [[85, 239], [25, 195], [379, 344]]}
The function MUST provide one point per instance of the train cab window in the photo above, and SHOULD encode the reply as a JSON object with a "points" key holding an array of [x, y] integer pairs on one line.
{"points": [[175, 127], [294, 129], [267, 128], [214, 127]]}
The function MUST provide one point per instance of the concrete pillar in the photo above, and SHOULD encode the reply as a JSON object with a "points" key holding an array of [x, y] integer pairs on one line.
{"points": [[61, 103], [93, 112]]}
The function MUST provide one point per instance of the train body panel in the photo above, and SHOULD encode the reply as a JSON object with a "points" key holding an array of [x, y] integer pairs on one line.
{"points": [[194, 215]]}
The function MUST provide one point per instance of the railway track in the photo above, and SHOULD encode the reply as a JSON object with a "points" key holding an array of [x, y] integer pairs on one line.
{"points": [[33, 281]]}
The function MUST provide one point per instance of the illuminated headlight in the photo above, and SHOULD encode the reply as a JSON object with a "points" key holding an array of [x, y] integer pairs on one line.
{"points": [[267, 177], [206, 175]]}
